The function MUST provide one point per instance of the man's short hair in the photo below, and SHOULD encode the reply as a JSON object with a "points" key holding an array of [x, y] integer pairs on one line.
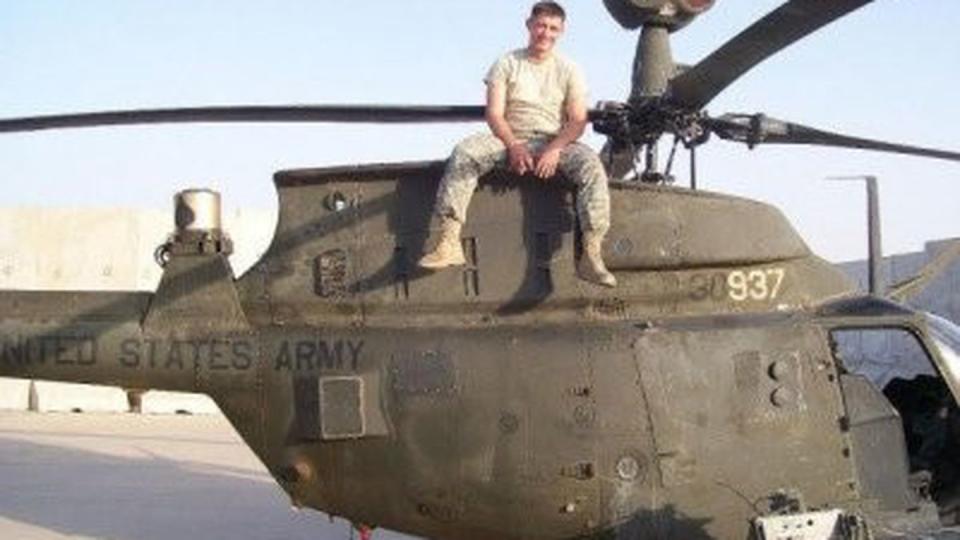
{"points": [[549, 9]]}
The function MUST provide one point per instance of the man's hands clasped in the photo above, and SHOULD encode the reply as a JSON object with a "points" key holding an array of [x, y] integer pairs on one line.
{"points": [[522, 161]]}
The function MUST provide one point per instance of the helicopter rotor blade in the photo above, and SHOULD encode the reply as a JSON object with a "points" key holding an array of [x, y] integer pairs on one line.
{"points": [[759, 129], [696, 87], [251, 113]]}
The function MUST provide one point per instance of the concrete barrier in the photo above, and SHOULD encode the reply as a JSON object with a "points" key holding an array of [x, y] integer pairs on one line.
{"points": [[66, 397], [157, 402], [14, 394]]}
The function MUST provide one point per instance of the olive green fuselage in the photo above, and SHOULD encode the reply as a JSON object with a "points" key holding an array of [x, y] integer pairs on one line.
{"points": [[501, 399]]}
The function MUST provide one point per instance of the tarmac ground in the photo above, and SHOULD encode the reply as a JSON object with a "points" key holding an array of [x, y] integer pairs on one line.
{"points": [[143, 477]]}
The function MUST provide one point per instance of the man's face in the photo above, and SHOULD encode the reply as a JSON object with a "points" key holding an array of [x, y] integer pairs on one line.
{"points": [[544, 31]]}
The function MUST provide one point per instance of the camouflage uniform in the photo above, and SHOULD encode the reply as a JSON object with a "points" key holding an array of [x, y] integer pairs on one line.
{"points": [[479, 154], [536, 94]]}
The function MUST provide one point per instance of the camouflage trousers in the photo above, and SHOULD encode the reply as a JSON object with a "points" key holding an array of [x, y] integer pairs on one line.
{"points": [[479, 154]]}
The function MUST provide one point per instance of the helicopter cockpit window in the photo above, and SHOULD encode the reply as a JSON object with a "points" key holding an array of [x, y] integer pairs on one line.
{"points": [[893, 365], [881, 354], [946, 338]]}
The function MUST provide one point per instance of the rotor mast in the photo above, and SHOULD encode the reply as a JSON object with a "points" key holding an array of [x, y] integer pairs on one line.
{"points": [[653, 65], [652, 68]]}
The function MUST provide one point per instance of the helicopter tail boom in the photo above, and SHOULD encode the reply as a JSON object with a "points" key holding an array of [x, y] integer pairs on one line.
{"points": [[93, 338]]}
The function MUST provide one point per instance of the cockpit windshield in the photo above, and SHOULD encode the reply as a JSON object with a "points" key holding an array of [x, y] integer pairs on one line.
{"points": [[946, 338]]}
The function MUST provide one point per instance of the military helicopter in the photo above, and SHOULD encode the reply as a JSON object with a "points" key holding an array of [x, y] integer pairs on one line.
{"points": [[707, 396]]}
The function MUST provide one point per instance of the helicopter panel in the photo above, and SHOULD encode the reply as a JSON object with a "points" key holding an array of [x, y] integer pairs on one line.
{"points": [[347, 252], [465, 444], [661, 227], [764, 382]]}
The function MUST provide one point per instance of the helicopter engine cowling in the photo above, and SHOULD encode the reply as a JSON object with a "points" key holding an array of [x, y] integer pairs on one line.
{"points": [[672, 14]]}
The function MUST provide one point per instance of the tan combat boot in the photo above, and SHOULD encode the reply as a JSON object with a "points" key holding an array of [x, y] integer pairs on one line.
{"points": [[449, 250], [591, 267]]}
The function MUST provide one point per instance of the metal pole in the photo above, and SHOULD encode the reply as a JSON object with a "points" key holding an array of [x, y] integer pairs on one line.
{"points": [[33, 398], [650, 163], [873, 228], [874, 247], [693, 168]]}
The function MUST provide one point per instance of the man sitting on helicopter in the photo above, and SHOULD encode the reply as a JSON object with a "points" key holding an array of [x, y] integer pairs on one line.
{"points": [[536, 110]]}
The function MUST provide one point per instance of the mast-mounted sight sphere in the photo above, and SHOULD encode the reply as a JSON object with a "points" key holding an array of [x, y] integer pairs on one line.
{"points": [[672, 14]]}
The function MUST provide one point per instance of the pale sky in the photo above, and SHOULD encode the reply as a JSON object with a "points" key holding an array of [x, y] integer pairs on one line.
{"points": [[889, 71]]}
